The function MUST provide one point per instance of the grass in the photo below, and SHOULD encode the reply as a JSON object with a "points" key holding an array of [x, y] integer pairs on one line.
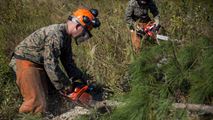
{"points": [[108, 55]]}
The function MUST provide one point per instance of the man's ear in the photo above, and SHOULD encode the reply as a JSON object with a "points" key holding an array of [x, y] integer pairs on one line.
{"points": [[78, 26]]}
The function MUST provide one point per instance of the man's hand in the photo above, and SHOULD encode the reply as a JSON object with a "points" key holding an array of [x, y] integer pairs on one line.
{"points": [[157, 20]]}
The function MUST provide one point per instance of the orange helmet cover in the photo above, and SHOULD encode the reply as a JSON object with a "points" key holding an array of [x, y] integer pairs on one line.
{"points": [[83, 12]]}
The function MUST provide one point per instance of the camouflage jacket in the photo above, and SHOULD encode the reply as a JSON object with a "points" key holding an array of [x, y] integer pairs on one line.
{"points": [[47, 46], [135, 11]]}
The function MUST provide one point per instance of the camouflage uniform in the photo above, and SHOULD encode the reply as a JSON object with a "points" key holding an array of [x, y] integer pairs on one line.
{"points": [[136, 11], [45, 47]]}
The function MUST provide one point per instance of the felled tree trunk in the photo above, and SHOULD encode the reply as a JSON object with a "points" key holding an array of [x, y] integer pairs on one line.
{"points": [[78, 111], [194, 107]]}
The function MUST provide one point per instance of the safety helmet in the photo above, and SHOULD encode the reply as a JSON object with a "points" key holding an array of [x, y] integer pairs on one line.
{"points": [[87, 18]]}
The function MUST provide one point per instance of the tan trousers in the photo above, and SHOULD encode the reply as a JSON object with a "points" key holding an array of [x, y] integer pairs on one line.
{"points": [[136, 40], [31, 80]]}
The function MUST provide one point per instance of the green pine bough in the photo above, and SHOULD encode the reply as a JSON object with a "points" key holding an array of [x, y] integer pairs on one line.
{"points": [[184, 77]]}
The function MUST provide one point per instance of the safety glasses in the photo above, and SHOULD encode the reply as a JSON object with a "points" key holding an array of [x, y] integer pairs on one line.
{"points": [[95, 22]]}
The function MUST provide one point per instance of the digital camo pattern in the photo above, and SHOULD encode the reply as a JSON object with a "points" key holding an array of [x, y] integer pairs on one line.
{"points": [[47, 46], [135, 11]]}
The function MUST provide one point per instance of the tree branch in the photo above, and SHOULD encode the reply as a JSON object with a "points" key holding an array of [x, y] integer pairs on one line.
{"points": [[194, 107]]}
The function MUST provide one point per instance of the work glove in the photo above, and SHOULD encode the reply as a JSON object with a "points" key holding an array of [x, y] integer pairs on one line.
{"points": [[78, 83], [65, 91], [157, 20], [140, 32]]}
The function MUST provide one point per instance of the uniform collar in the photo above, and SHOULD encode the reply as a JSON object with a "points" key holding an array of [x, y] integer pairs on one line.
{"points": [[65, 27]]}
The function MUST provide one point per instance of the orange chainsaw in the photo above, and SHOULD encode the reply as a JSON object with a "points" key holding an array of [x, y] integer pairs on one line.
{"points": [[150, 31], [81, 95]]}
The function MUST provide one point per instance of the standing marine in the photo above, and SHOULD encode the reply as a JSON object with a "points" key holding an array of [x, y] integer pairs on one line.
{"points": [[138, 10]]}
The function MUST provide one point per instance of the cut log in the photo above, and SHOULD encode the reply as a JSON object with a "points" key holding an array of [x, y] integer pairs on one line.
{"points": [[106, 103], [194, 107], [78, 111]]}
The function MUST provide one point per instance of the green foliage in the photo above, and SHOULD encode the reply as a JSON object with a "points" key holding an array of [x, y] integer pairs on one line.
{"points": [[201, 77], [9, 99], [161, 75], [148, 99], [186, 78], [106, 56], [29, 117], [18, 19], [187, 19]]}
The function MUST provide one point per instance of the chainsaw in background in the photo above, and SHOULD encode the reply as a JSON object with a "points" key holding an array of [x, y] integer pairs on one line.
{"points": [[151, 31]]}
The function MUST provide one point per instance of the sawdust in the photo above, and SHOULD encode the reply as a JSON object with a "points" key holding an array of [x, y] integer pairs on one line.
{"points": [[77, 111]]}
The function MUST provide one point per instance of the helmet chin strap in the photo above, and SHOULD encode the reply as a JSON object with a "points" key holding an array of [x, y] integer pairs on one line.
{"points": [[85, 35]]}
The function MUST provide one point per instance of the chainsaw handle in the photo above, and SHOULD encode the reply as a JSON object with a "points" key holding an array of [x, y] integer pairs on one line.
{"points": [[82, 90], [77, 93]]}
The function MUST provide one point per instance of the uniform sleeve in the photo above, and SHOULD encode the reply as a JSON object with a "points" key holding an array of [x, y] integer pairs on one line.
{"points": [[67, 60], [153, 8], [51, 62], [129, 12]]}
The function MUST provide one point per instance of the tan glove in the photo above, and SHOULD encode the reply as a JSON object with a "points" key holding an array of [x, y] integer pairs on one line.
{"points": [[157, 20], [66, 91]]}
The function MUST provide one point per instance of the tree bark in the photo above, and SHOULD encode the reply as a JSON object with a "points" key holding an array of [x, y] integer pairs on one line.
{"points": [[194, 107], [74, 113]]}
